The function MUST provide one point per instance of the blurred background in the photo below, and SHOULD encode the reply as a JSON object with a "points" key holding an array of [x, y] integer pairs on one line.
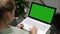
{"points": [[22, 11]]}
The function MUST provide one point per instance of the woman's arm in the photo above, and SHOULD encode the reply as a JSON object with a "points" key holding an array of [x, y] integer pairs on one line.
{"points": [[33, 30]]}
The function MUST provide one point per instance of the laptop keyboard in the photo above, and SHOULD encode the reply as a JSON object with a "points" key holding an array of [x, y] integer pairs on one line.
{"points": [[34, 23]]}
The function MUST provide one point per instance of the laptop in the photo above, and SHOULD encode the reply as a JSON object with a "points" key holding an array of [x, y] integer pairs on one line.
{"points": [[40, 16]]}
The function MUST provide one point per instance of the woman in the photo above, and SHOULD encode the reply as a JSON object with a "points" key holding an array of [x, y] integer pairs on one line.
{"points": [[7, 9]]}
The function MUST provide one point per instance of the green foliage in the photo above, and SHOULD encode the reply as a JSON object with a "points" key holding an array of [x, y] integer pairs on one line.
{"points": [[20, 5]]}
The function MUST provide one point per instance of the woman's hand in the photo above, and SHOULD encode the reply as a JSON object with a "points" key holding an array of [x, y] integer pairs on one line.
{"points": [[20, 26], [33, 30]]}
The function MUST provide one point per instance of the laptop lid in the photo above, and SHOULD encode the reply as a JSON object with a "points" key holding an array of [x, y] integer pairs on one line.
{"points": [[42, 13]]}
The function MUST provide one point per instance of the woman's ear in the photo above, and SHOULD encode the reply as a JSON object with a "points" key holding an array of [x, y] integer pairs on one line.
{"points": [[9, 15]]}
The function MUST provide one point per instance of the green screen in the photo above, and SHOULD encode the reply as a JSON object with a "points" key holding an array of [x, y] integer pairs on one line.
{"points": [[42, 13]]}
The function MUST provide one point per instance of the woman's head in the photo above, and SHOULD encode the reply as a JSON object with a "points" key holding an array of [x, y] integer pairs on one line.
{"points": [[7, 8]]}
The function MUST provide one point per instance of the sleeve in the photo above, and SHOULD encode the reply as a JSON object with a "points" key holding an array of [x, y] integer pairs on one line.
{"points": [[26, 32], [21, 31]]}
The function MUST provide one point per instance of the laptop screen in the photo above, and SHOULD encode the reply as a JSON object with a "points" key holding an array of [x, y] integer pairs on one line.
{"points": [[42, 12]]}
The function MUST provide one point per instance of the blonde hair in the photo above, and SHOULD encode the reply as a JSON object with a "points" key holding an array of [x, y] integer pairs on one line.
{"points": [[6, 6]]}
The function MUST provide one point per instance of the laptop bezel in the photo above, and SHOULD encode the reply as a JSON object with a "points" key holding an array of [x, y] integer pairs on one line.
{"points": [[41, 20]]}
